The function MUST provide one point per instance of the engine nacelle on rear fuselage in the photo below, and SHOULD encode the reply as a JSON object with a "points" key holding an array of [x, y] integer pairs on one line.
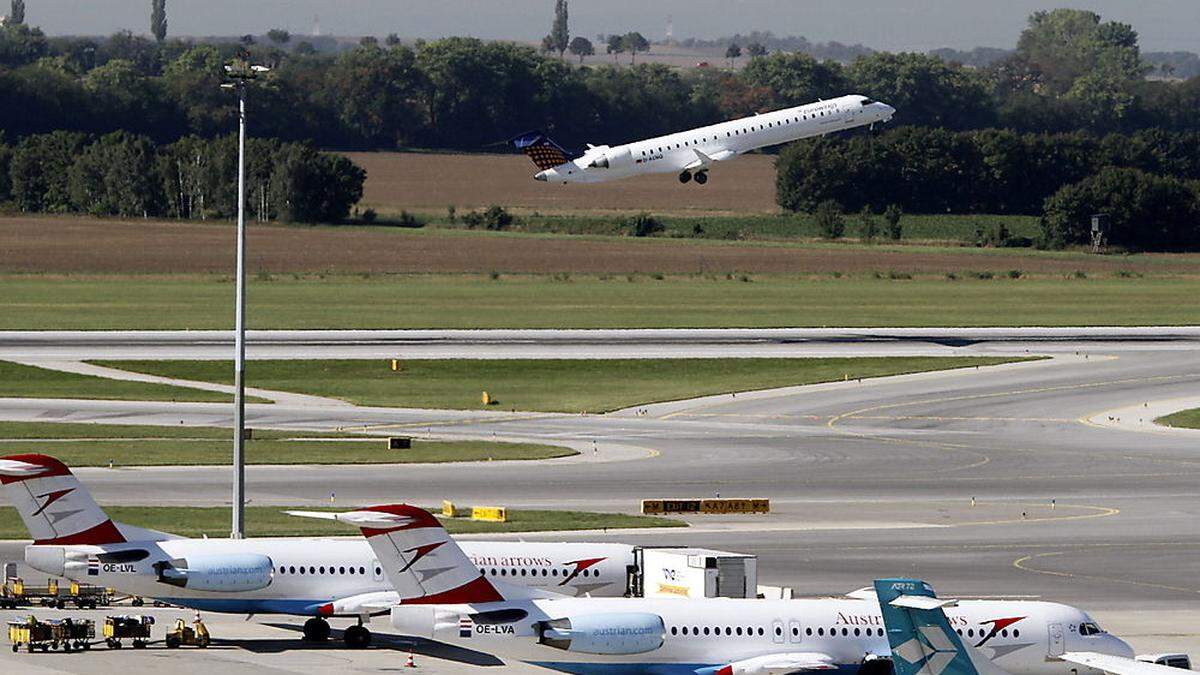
{"points": [[234, 573], [615, 633], [618, 158]]}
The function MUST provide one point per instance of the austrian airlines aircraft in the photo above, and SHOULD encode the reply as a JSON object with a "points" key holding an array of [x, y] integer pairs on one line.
{"points": [[691, 153], [318, 578], [444, 597], [924, 643]]}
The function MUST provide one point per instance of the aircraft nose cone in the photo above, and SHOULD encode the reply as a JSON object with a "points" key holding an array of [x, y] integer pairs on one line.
{"points": [[1118, 647], [541, 175]]}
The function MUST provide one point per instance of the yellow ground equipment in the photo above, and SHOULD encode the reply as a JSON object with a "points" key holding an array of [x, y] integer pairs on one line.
{"points": [[16, 593], [46, 635], [183, 634], [135, 627]]}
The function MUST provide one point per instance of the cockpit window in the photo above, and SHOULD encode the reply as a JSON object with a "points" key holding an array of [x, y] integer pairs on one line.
{"points": [[1088, 628], [867, 101]]}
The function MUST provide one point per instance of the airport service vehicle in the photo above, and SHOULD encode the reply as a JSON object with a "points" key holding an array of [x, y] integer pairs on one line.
{"points": [[135, 627], [692, 573], [33, 633], [318, 578], [924, 643], [444, 597], [693, 152]]}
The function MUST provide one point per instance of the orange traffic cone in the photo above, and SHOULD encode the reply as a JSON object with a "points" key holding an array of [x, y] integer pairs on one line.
{"points": [[410, 663]]}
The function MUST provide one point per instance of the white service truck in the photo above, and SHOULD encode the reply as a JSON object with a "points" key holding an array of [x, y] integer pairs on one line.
{"points": [[692, 573]]}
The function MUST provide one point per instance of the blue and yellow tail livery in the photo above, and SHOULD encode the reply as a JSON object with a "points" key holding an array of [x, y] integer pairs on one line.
{"points": [[545, 153]]}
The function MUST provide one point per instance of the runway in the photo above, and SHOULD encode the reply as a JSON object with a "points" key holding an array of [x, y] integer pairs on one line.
{"points": [[866, 479]]}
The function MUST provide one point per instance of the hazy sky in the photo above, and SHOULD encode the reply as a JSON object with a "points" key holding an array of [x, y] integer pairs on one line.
{"points": [[883, 24]]}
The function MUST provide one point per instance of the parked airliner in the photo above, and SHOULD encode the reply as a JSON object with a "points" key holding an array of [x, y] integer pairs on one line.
{"points": [[444, 597], [693, 152], [923, 641], [318, 578]]}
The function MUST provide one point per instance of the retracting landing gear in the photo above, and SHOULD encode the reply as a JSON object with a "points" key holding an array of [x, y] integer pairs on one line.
{"points": [[316, 629], [701, 177], [357, 637], [685, 176]]}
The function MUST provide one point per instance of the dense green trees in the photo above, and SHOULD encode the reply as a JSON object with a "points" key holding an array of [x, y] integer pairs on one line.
{"points": [[1071, 72], [930, 170], [1145, 211], [124, 174]]}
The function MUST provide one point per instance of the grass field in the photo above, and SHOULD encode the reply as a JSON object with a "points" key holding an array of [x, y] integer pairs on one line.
{"points": [[34, 302], [271, 521], [434, 181], [21, 381], [1188, 419], [545, 385], [71, 245], [134, 445]]}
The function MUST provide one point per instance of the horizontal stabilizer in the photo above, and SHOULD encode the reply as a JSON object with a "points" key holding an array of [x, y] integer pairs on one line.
{"points": [[371, 519], [1118, 665], [922, 602]]}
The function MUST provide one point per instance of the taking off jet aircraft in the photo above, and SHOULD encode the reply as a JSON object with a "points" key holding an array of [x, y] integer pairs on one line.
{"points": [[313, 577], [444, 597], [692, 153]]}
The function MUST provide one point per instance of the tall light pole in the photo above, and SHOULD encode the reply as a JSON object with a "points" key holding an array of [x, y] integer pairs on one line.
{"points": [[240, 72]]}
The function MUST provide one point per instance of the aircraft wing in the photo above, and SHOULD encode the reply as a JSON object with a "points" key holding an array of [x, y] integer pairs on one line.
{"points": [[1117, 665], [787, 663], [704, 161]]}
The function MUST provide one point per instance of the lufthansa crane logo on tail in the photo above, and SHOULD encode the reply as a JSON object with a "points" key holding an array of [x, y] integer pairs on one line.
{"points": [[930, 651]]}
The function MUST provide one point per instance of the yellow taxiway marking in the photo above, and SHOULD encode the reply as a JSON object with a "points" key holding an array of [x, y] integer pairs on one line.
{"points": [[1022, 563]]}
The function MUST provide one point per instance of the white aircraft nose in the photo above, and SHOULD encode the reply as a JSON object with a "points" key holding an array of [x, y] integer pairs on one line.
{"points": [[1115, 646], [541, 175]]}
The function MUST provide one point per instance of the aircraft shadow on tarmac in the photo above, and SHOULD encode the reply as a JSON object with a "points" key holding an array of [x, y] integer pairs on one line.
{"points": [[419, 646]]}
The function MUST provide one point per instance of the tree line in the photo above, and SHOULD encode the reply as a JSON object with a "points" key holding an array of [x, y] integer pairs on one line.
{"points": [[1148, 181], [123, 174], [1070, 71]]}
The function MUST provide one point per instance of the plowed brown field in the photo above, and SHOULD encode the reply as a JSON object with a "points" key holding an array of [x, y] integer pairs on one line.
{"points": [[419, 181], [70, 244]]}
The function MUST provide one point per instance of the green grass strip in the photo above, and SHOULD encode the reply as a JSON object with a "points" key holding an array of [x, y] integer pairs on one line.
{"points": [[552, 385], [271, 521]]}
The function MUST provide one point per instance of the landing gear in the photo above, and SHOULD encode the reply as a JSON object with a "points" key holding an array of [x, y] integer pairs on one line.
{"points": [[357, 637], [316, 630], [701, 177], [685, 176]]}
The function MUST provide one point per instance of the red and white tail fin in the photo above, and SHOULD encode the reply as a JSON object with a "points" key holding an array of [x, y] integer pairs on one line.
{"points": [[418, 556], [56, 507]]}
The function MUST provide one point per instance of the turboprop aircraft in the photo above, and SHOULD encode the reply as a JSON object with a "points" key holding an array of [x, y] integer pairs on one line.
{"points": [[693, 152], [444, 597], [314, 577], [924, 643]]}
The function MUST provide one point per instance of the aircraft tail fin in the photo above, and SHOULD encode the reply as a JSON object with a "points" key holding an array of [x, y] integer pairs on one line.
{"points": [[56, 507], [419, 558], [545, 153], [919, 634]]}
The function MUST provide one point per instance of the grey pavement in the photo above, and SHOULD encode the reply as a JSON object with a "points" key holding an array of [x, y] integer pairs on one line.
{"points": [[867, 479]]}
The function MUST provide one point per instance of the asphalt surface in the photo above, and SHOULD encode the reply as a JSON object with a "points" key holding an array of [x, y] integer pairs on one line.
{"points": [[866, 479]]}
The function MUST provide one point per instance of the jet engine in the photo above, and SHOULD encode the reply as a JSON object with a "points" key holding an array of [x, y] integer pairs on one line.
{"points": [[615, 633], [223, 573], [612, 158]]}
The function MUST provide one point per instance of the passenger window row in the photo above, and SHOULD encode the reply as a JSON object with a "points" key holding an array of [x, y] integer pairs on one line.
{"points": [[738, 631], [738, 132], [521, 571], [313, 570]]}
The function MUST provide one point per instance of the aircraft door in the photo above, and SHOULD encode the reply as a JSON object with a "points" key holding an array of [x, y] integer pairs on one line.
{"points": [[1057, 646], [794, 631], [777, 631]]}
